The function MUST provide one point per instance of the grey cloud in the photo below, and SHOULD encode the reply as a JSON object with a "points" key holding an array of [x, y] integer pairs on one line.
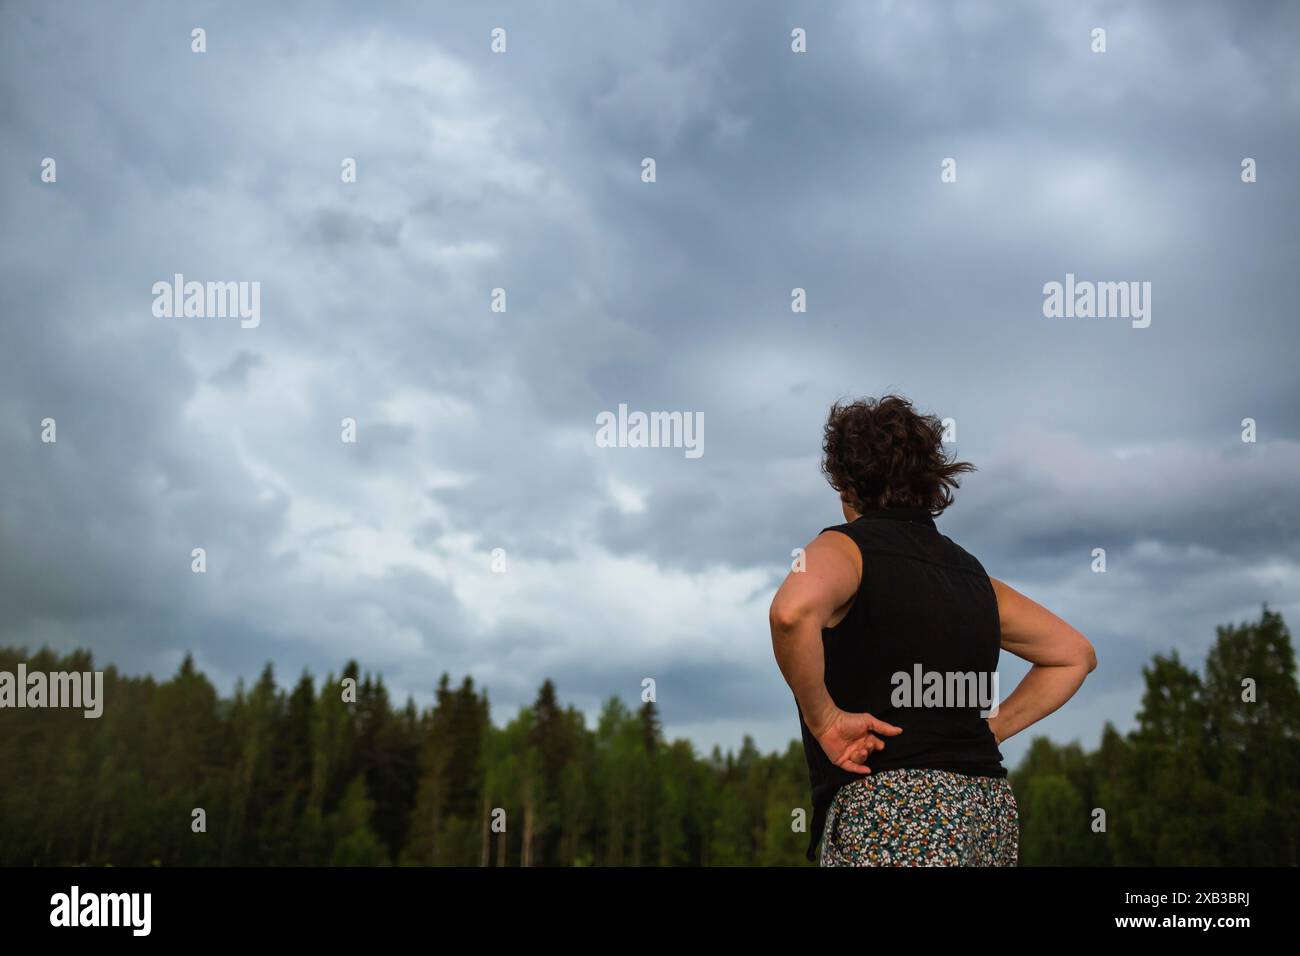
{"points": [[237, 372], [776, 171]]}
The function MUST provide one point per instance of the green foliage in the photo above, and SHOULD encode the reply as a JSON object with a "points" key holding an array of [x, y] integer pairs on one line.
{"points": [[306, 777], [1207, 777]]}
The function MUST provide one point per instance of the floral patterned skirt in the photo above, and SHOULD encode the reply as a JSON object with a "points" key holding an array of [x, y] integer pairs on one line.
{"points": [[922, 818]]}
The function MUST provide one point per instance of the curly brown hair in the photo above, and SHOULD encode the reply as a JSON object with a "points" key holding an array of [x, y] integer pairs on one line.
{"points": [[884, 454]]}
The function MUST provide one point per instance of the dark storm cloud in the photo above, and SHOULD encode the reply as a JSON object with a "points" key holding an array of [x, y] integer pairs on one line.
{"points": [[340, 227], [237, 372], [476, 428]]}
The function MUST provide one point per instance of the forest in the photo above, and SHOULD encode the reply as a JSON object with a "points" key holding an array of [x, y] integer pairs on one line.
{"points": [[173, 774]]}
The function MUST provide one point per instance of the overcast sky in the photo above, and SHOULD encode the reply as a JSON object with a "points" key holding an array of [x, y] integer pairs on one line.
{"points": [[522, 170]]}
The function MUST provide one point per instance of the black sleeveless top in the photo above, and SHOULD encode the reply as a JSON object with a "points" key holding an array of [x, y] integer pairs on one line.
{"points": [[924, 605]]}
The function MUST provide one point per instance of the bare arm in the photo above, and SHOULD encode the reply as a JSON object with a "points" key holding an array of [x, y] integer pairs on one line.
{"points": [[1061, 658], [806, 602]]}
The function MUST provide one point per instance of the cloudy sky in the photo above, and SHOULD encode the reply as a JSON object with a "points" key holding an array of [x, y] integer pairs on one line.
{"points": [[522, 170]]}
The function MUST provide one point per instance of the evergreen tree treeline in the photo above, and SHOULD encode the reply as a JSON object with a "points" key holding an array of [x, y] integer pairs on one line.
{"points": [[301, 777]]}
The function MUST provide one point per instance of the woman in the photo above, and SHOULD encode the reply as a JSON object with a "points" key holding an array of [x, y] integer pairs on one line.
{"points": [[888, 635]]}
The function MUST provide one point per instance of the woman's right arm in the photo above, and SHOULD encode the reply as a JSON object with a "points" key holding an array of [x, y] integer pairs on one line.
{"points": [[1062, 658]]}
